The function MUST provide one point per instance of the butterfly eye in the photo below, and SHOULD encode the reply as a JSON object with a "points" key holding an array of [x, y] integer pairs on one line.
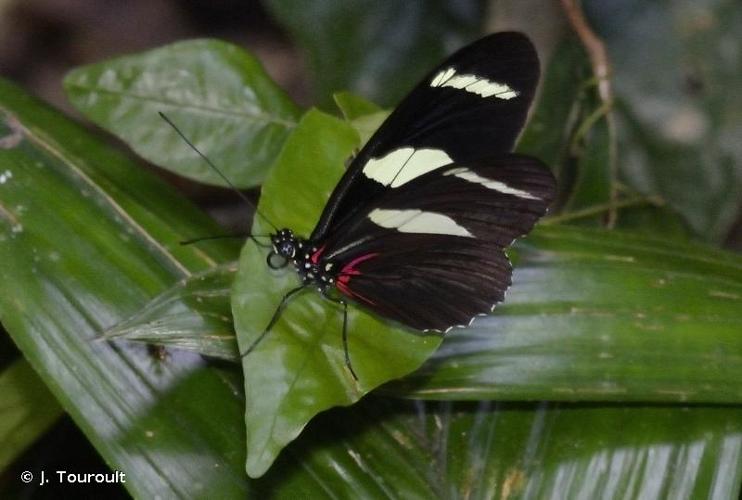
{"points": [[287, 249], [276, 260]]}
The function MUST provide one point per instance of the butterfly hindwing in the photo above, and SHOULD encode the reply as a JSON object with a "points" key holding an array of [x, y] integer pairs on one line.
{"points": [[434, 286], [430, 253], [472, 105]]}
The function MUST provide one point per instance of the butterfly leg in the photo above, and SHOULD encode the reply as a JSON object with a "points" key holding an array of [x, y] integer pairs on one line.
{"points": [[274, 318], [345, 341], [345, 333]]}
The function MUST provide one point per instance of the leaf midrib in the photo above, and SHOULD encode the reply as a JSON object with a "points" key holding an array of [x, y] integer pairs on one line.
{"points": [[267, 118], [71, 162]]}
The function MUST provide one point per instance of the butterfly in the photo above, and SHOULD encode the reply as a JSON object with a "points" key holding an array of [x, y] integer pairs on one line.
{"points": [[416, 228]]}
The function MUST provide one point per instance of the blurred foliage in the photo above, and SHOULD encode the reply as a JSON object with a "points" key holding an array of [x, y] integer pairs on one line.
{"points": [[677, 65], [377, 49], [89, 244], [568, 131]]}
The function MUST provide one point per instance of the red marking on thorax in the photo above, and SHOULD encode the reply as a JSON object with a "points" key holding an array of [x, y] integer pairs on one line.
{"points": [[315, 256]]}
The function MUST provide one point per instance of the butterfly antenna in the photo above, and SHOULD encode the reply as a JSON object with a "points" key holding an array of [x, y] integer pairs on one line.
{"points": [[225, 236], [215, 169]]}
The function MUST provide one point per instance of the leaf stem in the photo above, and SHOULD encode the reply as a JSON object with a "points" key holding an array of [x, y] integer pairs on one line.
{"points": [[655, 200]]}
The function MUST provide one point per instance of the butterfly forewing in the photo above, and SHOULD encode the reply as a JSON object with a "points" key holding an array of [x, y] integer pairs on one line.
{"points": [[470, 107], [430, 253]]}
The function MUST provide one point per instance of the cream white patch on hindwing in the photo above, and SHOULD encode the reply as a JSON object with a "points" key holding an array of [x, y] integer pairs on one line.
{"points": [[473, 83], [416, 221], [468, 175], [404, 164]]}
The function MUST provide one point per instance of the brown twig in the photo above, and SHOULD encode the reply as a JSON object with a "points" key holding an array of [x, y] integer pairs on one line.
{"points": [[601, 69], [594, 47]]}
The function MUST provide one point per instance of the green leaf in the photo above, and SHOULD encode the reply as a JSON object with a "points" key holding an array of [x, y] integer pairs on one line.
{"points": [[216, 93], [676, 67], [193, 315], [378, 49], [363, 115], [600, 316], [385, 449], [299, 369], [366, 125], [354, 106], [86, 239], [27, 410]]}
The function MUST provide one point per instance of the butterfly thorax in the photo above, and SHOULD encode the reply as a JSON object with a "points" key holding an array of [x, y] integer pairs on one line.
{"points": [[306, 256]]}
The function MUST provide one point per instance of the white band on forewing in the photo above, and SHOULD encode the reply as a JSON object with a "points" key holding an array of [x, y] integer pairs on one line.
{"points": [[416, 221], [467, 175], [474, 84], [404, 164]]}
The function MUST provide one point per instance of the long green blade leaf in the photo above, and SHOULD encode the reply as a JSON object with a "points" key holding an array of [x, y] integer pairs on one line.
{"points": [[383, 449], [27, 410], [86, 239], [596, 315]]}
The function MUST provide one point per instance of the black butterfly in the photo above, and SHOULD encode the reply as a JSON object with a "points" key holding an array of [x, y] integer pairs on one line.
{"points": [[415, 229]]}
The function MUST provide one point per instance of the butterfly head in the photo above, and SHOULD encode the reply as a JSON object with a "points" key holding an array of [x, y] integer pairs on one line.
{"points": [[284, 248]]}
